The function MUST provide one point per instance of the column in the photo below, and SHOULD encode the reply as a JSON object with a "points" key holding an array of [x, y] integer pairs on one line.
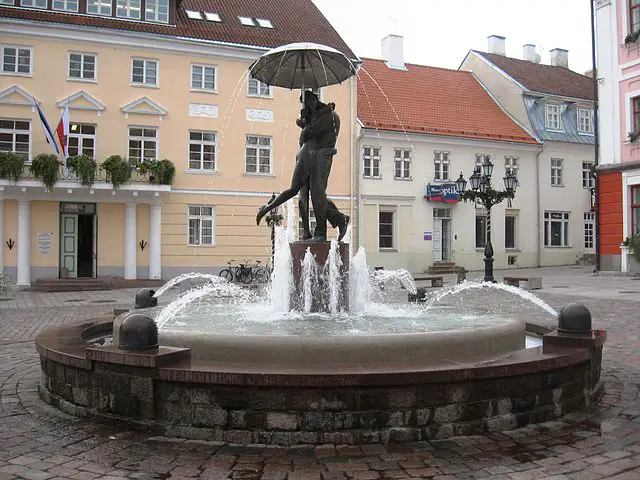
{"points": [[24, 243], [155, 241], [130, 262], [2, 239]]}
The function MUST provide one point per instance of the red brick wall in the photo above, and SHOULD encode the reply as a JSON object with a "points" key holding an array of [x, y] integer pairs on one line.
{"points": [[610, 212]]}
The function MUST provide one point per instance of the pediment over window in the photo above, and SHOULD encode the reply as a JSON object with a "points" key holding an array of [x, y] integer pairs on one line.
{"points": [[144, 106], [81, 100], [15, 95]]}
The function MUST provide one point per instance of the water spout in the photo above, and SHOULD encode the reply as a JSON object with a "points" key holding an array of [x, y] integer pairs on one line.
{"points": [[309, 280]]}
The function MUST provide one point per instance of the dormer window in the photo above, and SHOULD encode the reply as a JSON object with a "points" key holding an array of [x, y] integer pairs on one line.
{"points": [[157, 11], [128, 9], [212, 17], [193, 15], [267, 23], [248, 21], [552, 117], [585, 120]]}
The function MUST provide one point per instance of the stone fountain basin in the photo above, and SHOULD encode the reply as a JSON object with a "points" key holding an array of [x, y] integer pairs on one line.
{"points": [[352, 352]]}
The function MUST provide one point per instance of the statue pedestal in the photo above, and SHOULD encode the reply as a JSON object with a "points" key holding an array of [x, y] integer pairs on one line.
{"points": [[321, 290]]}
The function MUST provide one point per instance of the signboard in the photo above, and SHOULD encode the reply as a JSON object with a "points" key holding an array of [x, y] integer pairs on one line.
{"points": [[44, 241], [442, 192], [428, 236]]}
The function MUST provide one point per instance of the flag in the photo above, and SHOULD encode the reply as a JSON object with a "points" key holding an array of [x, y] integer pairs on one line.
{"points": [[48, 134], [63, 131]]}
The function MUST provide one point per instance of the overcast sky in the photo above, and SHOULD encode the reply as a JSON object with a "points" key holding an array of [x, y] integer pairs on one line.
{"points": [[440, 32]]}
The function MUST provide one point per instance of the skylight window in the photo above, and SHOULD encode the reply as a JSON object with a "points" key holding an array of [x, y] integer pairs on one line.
{"points": [[194, 15], [212, 17], [248, 21], [264, 23]]}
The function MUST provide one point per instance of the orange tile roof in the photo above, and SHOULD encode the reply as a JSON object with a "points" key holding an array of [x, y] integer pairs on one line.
{"points": [[434, 101]]}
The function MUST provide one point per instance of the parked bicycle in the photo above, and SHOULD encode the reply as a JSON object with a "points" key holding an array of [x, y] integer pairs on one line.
{"points": [[242, 273], [5, 282], [261, 274]]}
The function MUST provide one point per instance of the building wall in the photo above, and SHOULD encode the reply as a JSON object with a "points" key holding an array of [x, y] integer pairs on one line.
{"points": [[236, 195], [610, 219], [506, 92], [414, 214]]}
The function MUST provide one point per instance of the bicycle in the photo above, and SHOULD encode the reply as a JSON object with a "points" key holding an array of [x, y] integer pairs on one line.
{"points": [[5, 282], [261, 274], [242, 273]]}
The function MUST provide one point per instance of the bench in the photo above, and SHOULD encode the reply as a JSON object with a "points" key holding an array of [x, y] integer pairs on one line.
{"points": [[436, 280], [534, 283]]}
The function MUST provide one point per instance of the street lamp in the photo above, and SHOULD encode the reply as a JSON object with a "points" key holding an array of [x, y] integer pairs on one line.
{"points": [[273, 220], [482, 191]]}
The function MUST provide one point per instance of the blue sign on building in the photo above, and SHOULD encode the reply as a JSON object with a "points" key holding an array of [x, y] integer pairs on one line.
{"points": [[442, 192]]}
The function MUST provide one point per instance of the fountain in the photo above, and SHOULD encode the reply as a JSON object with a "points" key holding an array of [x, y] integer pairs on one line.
{"points": [[318, 358]]}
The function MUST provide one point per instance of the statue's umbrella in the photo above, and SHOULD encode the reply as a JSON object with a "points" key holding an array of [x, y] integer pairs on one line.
{"points": [[302, 65]]}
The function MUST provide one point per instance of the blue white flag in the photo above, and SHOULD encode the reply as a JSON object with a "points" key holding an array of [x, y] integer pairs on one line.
{"points": [[48, 134]]}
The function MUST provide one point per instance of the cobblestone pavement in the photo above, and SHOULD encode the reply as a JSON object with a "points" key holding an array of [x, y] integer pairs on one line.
{"points": [[38, 442]]}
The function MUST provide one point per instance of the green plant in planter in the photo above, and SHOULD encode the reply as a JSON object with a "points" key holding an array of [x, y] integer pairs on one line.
{"points": [[46, 167], [164, 172], [118, 170], [632, 38], [634, 246], [11, 166], [84, 167], [634, 136]]}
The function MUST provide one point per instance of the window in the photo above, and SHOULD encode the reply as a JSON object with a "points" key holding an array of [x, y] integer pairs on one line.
{"points": [[16, 60], [258, 155], [201, 221], [480, 158], [385, 229], [157, 11], [636, 114], [202, 151], [589, 230], [212, 17], [82, 140], [82, 66], [144, 72], [556, 171], [510, 229], [99, 7], [255, 88], [193, 14], [481, 230], [585, 120], [402, 163], [371, 162], [552, 117], [556, 229], [7, 2], [634, 15], [264, 23], [15, 136], [248, 21], [143, 144], [635, 208], [203, 77], [34, 3], [441, 166], [66, 5], [511, 165], [587, 179], [128, 9]]}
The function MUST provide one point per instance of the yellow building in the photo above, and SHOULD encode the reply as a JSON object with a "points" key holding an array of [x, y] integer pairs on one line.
{"points": [[152, 80]]}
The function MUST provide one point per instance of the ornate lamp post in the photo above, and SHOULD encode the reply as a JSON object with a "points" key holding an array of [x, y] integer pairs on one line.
{"points": [[273, 219], [482, 191]]}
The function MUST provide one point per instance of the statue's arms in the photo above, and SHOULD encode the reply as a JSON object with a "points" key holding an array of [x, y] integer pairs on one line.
{"points": [[321, 125]]}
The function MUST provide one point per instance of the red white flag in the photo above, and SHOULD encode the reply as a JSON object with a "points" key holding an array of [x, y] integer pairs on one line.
{"points": [[63, 131]]}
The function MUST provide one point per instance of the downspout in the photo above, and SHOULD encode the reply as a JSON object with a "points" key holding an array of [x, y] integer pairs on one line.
{"points": [[595, 131], [539, 207]]}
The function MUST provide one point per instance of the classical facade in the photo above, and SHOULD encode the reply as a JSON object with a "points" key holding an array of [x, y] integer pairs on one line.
{"points": [[150, 81], [555, 105], [420, 127], [618, 56]]}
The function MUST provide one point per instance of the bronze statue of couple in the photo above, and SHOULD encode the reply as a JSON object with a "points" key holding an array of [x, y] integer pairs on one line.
{"points": [[320, 126]]}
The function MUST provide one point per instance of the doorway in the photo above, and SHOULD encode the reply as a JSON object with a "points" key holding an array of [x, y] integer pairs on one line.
{"points": [[77, 240], [442, 235]]}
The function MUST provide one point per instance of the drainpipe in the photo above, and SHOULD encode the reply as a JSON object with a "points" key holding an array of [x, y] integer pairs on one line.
{"points": [[353, 190], [595, 130], [538, 206]]}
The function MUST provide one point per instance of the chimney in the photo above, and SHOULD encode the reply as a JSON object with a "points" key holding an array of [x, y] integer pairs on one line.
{"points": [[529, 53], [496, 44], [559, 57], [392, 52]]}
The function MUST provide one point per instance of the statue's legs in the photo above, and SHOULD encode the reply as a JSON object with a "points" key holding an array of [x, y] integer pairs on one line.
{"points": [[300, 175], [319, 178], [303, 207]]}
